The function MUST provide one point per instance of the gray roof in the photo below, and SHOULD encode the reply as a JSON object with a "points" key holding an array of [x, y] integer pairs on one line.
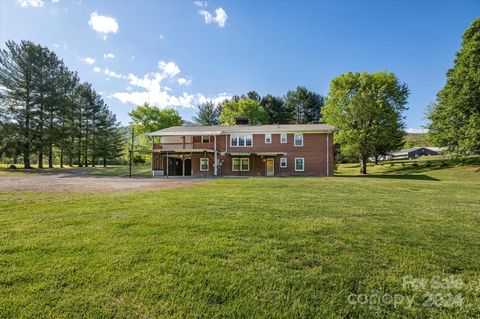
{"points": [[219, 129]]}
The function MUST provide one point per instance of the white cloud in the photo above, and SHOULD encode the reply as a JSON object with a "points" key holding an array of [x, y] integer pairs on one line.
{"points": [[55, 1], [220, 17], [108, 56], [56, 45], [200, 3], [103, 24], [416, 130], [97, 69], [169, 69], [219, 98], [132, 58], [88, 60], [31, 3], [161, 98], [113, 74], [150, 88], [184, 81]]}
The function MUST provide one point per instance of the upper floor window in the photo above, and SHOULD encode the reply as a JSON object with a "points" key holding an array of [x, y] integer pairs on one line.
{"points": [[241, 140], [206, 139], [298, 139], [283, 138], [268, 138], [204, 164]]}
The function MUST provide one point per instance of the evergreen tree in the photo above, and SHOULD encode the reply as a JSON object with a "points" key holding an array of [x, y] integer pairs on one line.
{"points": [[276, 110], [45, 110], [305, 105], [208, 114]]}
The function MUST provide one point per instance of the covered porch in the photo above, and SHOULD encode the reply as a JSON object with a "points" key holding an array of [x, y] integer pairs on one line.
{"points": [[179, 162], [259, 163]]}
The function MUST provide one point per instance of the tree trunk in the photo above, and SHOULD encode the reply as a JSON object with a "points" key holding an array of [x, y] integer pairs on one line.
{"points": [[26, 156], [104, 162], [61, 157], [50, 156], [363, 165], [40, 157], [376, 159]]}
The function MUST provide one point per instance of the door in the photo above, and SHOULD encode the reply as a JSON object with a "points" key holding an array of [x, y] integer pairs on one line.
{"points": [[270, 166]]}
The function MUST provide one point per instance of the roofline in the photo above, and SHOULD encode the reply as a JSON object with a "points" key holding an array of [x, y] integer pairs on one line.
{"points": [[199, 133]]}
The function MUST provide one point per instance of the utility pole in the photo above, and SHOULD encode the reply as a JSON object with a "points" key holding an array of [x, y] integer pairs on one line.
{"points": [[131, 152]]}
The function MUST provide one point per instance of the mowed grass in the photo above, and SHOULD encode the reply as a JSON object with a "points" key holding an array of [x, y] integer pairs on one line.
{"points": [[111, 170], [238, 248]]}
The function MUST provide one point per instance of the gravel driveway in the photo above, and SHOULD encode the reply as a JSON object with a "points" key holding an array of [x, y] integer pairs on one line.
{"points": [[80, 180]]}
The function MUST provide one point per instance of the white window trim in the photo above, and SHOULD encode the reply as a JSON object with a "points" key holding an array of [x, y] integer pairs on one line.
{"points": [[268, 136], [282, 135], [240, 159], [295, 139], [303, 164], [286, 162], [208, 164], [238, 138], [201, 140]]}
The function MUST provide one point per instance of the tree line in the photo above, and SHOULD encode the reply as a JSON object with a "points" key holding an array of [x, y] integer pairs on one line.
{"points": [[46, 111], [299, 106]]}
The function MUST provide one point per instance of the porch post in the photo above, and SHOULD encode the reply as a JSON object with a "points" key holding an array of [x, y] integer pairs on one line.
{"points": [[205, 156], [153, 158], [167, 164], [253, 165], [215, 156], [183, 166]]}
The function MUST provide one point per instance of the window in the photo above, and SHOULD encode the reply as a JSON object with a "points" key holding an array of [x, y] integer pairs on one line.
{"points": [[240, 164], [268, 138], [283, 162], [248, 140], [206, 139], [241, 140], [283, 138], [298, 139], [204, 165], [299, 164]]}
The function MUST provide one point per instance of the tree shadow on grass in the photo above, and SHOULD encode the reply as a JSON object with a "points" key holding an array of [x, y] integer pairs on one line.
{"points": [[417, 177]]}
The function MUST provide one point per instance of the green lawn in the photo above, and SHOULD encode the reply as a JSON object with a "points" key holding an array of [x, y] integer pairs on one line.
{"points": [[111, 170], [259, 248]]}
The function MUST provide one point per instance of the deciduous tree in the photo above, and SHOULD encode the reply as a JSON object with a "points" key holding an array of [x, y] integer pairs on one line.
{"points": [[367, 108], [243, 107], [455, 117]]}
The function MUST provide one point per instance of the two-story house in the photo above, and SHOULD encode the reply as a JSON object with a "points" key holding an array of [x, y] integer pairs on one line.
{"points": [[243, 150]]}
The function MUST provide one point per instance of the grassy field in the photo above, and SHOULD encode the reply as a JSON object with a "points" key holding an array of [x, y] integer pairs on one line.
{"points": [[111, 170], [258, 248]]}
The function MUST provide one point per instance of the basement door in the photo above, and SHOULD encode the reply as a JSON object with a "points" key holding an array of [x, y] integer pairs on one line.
{"points": [[270, 166]]}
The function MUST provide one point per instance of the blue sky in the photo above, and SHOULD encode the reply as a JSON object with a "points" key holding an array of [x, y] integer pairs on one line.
{"points": [[180, 53]]}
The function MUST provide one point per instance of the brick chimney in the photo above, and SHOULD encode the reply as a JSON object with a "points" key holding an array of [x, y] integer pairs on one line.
{"points": [[242, 120]]}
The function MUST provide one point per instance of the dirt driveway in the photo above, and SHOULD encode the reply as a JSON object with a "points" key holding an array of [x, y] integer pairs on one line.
{"points": [[80, 180]]}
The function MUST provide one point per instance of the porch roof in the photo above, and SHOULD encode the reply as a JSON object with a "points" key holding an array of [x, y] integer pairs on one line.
{"points": [[176, 150], [255, 153]]}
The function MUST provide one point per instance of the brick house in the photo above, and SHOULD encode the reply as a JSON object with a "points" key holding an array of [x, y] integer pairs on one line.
{"points": [[243, 150]]}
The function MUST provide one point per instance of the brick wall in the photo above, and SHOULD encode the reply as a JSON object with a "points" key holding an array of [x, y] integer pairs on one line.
{"points": [[314, 152]]}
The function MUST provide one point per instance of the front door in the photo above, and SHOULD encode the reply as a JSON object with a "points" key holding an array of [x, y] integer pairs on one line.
{"points": [[270, 166]]}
